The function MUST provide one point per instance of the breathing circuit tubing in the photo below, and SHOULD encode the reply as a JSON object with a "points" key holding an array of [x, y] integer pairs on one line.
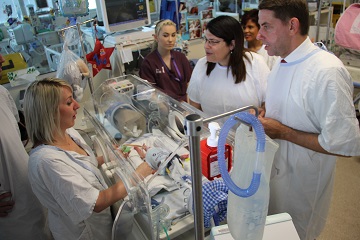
{"points": [[247, 118]]}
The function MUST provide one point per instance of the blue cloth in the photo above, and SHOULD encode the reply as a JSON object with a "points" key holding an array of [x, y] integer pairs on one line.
{"points": [[72, 21], [215, 197], [168, 11]]}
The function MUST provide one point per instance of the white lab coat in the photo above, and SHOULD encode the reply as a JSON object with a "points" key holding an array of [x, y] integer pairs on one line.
{"points": [[27, 219], [310, 95], [5, 97], [270, 60], [218, 92], [68, 185]]}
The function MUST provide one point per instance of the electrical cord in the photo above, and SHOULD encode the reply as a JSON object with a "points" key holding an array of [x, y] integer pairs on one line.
{"points": [[103, 40], [139, 51]]}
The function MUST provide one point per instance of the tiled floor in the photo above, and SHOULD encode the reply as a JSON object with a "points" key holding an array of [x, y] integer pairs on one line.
{"points": [[343, 222]]}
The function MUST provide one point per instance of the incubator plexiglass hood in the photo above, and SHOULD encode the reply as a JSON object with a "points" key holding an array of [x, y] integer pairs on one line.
{"points": [[132, 119]]}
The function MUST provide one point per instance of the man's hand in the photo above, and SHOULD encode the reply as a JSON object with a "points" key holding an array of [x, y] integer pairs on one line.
{"points": [[261, 111], [6, 204], [273, 128], [276, 130]]}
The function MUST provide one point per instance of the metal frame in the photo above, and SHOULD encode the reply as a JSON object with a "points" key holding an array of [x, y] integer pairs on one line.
{"points": [[193, 127], [77, 26]]}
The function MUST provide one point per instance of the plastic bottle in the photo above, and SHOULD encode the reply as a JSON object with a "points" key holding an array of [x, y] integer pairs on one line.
{"points": [[209, 159]]}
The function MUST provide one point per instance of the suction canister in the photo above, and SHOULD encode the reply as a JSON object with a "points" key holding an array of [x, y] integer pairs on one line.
{"points": [[209, 154], [249, 183]]}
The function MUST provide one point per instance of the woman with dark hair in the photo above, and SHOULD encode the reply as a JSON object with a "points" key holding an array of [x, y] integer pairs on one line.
{"points": [[251, 27], [228, 77]]}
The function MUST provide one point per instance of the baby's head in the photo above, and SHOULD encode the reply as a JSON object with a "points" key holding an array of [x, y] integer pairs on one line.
{"points": [[155, 156]]}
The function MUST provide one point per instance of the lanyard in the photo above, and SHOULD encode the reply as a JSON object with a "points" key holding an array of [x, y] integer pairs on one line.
{"points": [[167, 69], [301, 59], [100, 179]]}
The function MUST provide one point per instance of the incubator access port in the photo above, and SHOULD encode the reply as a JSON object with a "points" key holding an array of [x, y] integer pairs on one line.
{"points": [[147, 119]]}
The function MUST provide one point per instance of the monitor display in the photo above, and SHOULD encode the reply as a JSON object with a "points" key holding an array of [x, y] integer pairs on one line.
{"points": [[42, 3], [124, 15]]}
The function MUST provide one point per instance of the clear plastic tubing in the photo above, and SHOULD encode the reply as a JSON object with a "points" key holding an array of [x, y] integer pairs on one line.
{"points": [[260, 151]]}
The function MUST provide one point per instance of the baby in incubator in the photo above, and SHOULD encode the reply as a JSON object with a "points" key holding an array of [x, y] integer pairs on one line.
{"points": [[155, 156]]}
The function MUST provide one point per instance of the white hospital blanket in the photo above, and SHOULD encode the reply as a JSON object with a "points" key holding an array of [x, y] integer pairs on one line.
{"points": [[160, 140], [158, 183]]}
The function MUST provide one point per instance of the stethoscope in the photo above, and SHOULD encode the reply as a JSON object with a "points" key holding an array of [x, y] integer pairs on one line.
{"points": [[168, 70]]}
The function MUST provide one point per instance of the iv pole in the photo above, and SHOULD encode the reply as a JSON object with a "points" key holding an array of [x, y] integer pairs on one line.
{"points": [[193, 127]]}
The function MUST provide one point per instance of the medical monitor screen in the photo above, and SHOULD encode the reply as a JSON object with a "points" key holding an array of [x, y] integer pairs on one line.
{"points": [[125, 14], [42, 3]]}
